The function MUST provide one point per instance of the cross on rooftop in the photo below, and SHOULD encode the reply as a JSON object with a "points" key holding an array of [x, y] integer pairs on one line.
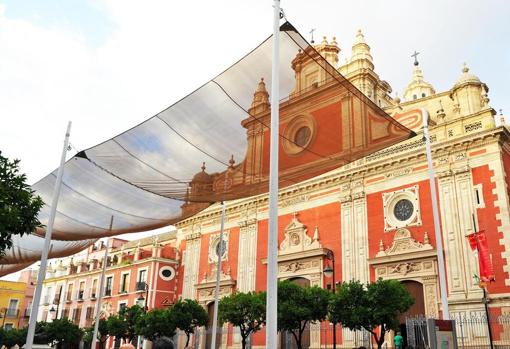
{"points": [[415, 55], [311, 32]]}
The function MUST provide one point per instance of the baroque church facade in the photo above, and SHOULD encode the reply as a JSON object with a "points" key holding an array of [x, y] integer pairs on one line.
{"points": [[375, 214]]}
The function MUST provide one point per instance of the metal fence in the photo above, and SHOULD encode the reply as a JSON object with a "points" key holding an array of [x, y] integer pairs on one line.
{"points": [[472, 331]]}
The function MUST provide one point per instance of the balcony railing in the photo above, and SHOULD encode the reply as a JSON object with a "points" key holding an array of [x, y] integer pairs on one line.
{"points": [[108, 292], [79, 296], [11, 312], [140, 285]]}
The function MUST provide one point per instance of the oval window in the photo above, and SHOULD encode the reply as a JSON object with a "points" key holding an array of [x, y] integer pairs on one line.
{"points": [[302, 136], [167, 273]]}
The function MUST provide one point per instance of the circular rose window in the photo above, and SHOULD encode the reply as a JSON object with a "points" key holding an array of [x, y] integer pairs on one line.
{"points": [[403, 209]]}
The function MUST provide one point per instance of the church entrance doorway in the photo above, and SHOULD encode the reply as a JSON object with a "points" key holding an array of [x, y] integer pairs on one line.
{"points": [[208, 338], [287, 340], [417, 309]]}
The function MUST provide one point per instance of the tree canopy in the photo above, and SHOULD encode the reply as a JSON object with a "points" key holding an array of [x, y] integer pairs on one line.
{"points": [[299, 306], [116, 326], [156, 323], [18, 204], [102, 333], [377, 304], [63, 333], [187, 315], [244, 310], [131, 315]]}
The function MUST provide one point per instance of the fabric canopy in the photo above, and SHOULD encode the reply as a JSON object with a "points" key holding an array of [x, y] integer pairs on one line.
{"points": [[150, 176]]}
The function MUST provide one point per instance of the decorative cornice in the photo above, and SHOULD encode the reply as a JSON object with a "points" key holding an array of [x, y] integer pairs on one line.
{"points": [[400, 155]]}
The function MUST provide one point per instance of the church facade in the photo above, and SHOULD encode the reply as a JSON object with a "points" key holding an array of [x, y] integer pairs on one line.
{"points": [[373, 215]]}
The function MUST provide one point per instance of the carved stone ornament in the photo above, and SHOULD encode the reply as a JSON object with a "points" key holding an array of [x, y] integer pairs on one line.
{"points": [[211, 275], [404, 243], [296, 238], [401, 208], [215, 248], [405, 268]]}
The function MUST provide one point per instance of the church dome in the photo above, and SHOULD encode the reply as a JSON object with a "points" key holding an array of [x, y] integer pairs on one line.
{"points": [[418, 87], [466, 78], [202, 176]]}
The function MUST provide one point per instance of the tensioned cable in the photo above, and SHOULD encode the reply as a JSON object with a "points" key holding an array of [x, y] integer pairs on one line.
{"points": [[126, 181], [76, 220], [143, 162], [266, 125], [191, 143], [103, 205]]}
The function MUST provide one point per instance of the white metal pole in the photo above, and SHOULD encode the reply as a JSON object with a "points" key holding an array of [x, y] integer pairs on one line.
{"points": [[101, 292], [435, 213], [218, 275], [272, 245], [47, 241]]}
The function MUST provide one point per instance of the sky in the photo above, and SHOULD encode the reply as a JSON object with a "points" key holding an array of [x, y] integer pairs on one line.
{"points": [[107, 65]]}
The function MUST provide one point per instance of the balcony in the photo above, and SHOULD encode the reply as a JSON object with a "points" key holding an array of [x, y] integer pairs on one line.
{"points": [[140, 286], [108, 292], [79, 296], [11, 312], [93, 295]]}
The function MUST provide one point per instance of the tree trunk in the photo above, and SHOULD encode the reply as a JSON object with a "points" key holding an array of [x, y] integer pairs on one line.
{"points": [[380, 340], [243, 342], [187, 339], [297, 338]]}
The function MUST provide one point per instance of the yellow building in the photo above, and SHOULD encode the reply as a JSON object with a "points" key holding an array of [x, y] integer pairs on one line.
{"points": [[12, 297]]}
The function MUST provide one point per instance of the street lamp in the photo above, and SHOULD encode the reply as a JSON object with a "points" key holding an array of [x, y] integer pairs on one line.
{"points": [[145, 308], [329, 272], [144, 300]]}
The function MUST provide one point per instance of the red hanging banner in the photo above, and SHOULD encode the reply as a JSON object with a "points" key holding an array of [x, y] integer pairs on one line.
{"points": [[478, 242]]}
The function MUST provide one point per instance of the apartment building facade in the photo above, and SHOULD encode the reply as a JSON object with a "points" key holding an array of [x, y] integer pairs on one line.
{"points": [[137, 272]]}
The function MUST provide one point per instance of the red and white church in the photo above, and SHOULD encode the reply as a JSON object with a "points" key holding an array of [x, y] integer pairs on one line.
{"points": [[375, 214]]}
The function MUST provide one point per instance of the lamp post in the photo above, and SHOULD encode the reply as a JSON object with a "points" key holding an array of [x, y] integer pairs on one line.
{"points": [[54, 311], [145, 308], [329, 272], [144, 300]]}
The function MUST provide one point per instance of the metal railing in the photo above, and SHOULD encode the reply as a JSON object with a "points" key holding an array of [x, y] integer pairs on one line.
{"points": [[11, 312], [140, 285], [472, 331]]}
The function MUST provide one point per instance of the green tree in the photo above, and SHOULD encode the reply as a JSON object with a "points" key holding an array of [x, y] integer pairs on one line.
{"points": [[116, 326], [63, 333], [14, 336], [187, 315], [299, 306], [155, 323], [123, 324], [18, 204], [378, 304], [244, 310], [131, 315], [102, 333]]}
